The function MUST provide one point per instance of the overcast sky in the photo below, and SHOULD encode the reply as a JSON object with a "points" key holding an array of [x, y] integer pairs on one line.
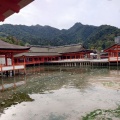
{"points": [[63, 14]]}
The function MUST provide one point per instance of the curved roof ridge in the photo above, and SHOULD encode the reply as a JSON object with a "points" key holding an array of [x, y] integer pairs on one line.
{"points": [[5, 46]]}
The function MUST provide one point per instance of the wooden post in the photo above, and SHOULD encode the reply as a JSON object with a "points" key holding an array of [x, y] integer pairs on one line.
{"points": [[117, 55], [12, 59], [16, 60], [24, 64], [6, 62], [7, 73], [109, 57], [1, 71]]}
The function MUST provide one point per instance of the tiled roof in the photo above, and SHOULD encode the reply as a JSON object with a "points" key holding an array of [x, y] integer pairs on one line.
{"points": [[113, 47], [8, 46], [39, 49], [38, 54], [53, 50], [58, 49]]}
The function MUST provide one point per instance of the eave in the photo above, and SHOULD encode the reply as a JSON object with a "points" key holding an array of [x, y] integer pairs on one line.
{"points": [[9, 7]]}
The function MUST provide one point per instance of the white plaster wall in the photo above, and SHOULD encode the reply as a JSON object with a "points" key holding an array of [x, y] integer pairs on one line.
{"points": [[2, 61]]}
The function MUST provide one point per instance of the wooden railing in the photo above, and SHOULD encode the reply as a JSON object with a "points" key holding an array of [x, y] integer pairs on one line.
{"points": [[11, 67], [114, 59], [29, 62]]}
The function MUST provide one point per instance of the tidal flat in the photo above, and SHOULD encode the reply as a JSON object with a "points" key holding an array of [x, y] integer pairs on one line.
{"points": [[61, 93]]}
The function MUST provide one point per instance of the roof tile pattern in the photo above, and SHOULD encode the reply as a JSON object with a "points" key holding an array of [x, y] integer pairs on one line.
{"points": [[7, 46], [59, 49], [42, 54], [52, 51]]}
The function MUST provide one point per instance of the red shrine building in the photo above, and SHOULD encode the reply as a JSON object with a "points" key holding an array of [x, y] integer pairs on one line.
{"points": [[7, 51], [114, 51], [16, 57], [40, 54]]}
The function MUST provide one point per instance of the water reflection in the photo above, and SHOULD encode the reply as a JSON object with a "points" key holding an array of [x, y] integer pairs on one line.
{"points": [[60, 93], [7, 83], [56, 78]]}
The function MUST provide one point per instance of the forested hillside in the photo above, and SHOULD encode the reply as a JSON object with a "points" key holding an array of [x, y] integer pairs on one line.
{"points": [[91, 36], [10, 39]]}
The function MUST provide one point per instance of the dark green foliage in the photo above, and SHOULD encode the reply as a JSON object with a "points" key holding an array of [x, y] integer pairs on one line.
{"points": [[11, 40], [103, 37], [91, 36], [15, 99]]}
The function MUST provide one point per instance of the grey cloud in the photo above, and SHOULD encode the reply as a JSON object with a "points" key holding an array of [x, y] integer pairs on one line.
{"points": [[64, 13]]}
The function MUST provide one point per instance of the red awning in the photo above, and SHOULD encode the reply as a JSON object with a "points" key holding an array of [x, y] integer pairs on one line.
{"points": [[9, 7]]}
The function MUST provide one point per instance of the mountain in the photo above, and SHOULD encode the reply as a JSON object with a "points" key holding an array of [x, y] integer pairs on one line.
{"points": [[91, 36]]}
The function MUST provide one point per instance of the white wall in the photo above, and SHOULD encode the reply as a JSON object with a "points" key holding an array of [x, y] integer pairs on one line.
{"points": [[2, 60]]}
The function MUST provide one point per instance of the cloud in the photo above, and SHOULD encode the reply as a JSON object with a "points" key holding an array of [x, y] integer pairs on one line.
{"points": [[64, 13]]}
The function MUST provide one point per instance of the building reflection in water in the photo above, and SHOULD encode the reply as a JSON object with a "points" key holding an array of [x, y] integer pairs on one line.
{"points": [[13, 82]]}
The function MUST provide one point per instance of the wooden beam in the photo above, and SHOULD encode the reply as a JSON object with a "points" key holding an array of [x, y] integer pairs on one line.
{"points": [[2, 17], [10, 5], [2, 52]]}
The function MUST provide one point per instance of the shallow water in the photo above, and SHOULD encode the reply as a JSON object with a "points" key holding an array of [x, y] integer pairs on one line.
{"points": [[59, 93]]}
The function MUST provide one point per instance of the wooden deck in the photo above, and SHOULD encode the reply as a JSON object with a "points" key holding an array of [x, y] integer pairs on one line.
{"points": [[11, 67], [80, 60]]}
